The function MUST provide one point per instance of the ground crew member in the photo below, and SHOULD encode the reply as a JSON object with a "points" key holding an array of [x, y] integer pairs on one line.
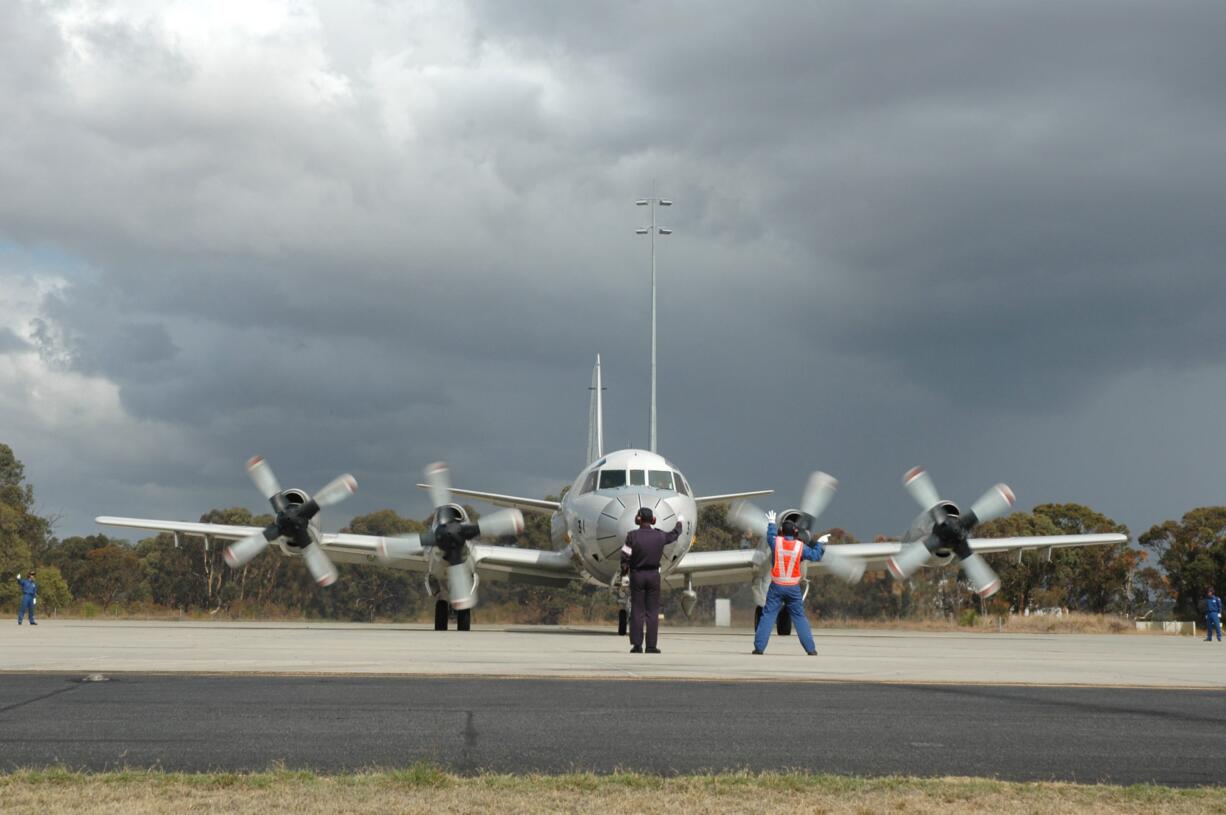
{"points": [[29, 591], [787, 551], [1213, 617], [641, 562]]}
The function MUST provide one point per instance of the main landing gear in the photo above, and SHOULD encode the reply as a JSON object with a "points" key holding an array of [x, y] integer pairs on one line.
{"points": [[783, 623], [442, 611]]}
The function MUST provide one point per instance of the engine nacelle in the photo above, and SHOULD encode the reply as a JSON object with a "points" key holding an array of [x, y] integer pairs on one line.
{"points": [[922, 526], [297, 497], [447, 514]]}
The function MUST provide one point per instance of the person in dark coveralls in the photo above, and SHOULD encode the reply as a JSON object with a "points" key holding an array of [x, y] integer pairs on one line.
{"points": [[787, 551], [641, 561], [1213, 617], [29, 591]]}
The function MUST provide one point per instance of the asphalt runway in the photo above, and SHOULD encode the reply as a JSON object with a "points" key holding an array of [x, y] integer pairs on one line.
{"points": [[338, 723]]}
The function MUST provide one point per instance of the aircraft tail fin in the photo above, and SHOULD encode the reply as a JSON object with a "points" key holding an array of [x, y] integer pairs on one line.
{"points": [[595, 416]]}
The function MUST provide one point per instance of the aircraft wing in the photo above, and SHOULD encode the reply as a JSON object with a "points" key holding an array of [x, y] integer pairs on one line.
{"points": [[874, 555], [715, 568], [220, 531], [739, 565], [527, 504], [535, 566], [729, 497]]}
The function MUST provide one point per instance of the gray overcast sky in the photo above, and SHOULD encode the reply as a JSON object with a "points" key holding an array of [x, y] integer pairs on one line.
{"points": [[988, 238]]}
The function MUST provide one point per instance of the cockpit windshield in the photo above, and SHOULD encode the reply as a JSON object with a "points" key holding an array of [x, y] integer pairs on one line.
{"points": [[660, 479], [611, 479], [681, 486]]}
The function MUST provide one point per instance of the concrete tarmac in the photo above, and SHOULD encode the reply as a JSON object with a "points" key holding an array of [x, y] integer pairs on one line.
{"points": [[466, 724], [79, 647]]}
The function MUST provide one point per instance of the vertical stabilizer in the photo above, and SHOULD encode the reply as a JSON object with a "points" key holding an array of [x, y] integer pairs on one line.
{"points": [[595, 416]]}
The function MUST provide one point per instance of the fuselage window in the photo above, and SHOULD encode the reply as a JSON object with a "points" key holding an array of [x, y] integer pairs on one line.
{"points": [[681, 488], [660, 479], [609, 479], [589, 483], [638, 478]]}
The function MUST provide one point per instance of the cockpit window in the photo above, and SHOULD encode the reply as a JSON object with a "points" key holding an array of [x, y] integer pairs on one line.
{"points": [[660, 479], [681, 486], [610, 479], [638, 478], [589, 483]]}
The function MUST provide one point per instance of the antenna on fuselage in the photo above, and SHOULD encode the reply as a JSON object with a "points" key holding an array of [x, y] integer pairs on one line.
{"points": [[595, 416], [653, 230]]}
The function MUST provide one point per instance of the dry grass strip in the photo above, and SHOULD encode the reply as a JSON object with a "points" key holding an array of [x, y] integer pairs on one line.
{"points": [[428, 790]]}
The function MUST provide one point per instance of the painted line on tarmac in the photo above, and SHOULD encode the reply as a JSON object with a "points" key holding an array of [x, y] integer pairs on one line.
{"points": [[630, 676]]}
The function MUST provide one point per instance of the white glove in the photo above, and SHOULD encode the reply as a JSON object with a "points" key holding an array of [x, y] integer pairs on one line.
{"points": [[681, 519], [19, 575], [771, 516], [33, 601]]}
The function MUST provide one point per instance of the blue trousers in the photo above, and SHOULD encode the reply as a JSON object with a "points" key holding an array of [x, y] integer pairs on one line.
{"points": [[1213, 621], [791, 597], [27, 607]]}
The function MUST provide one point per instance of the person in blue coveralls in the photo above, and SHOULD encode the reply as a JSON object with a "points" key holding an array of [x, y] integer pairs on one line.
{"points": [[29, 593], [787, 551], [1213, 616]]}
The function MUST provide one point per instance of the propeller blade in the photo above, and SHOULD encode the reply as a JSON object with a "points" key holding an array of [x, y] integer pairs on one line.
{"points": [[336, 490], [994, 503], [460, 585], [818, 493], [401, 546], [981, 575], [919, 484], [501, 524], [262, 474], [242, 551], [910, 560], [846, 568], [319, 565], [748, 517], [439, 479]]}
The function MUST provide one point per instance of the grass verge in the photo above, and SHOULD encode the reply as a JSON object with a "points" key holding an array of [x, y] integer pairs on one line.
{"points": [[427, 789]]}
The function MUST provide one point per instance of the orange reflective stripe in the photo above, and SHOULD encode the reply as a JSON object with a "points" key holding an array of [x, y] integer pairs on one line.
{"points": [[788, 554]]}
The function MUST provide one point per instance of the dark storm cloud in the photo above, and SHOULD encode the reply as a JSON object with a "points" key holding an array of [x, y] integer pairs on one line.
{"points": [[938, 233]]}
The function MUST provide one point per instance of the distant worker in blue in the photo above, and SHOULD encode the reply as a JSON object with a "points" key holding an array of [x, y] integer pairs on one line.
{"points": [[29, 594], [1213, 616], [787, 551]]}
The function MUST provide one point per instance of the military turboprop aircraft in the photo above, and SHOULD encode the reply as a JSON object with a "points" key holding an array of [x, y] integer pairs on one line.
{"points": [[589, 524]]}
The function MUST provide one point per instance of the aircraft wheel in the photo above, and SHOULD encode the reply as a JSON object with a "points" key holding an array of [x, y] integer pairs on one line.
{"points": [[463, 619], [757, 616], [783, 624], [440, 615], [623, 622]]}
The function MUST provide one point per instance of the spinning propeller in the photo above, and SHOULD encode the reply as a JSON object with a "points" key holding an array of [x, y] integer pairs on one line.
{"points": [[451, 534], [951, 531], [819, 491], [293, 522]]}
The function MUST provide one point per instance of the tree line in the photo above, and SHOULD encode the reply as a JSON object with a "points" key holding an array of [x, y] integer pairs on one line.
{"points": [[1164, 572]]}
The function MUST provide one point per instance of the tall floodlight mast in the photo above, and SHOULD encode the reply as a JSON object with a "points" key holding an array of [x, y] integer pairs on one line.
{"points": [[653, 230]]}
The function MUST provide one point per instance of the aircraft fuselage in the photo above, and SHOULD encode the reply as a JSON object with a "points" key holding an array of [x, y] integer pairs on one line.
{"points": [[600, 508]]}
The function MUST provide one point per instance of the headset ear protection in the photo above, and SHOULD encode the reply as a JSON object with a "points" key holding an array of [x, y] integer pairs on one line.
{"points": [[645, 515]]}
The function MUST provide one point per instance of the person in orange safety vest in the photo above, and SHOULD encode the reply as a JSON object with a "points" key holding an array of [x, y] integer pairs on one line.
{"points": [[787, 551]]}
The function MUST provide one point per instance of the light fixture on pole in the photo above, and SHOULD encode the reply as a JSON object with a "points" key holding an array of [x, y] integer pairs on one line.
{"points": [[653, 230]]}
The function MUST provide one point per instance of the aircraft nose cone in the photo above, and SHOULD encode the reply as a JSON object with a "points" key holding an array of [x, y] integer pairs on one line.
{"points": [[617, 519]]}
